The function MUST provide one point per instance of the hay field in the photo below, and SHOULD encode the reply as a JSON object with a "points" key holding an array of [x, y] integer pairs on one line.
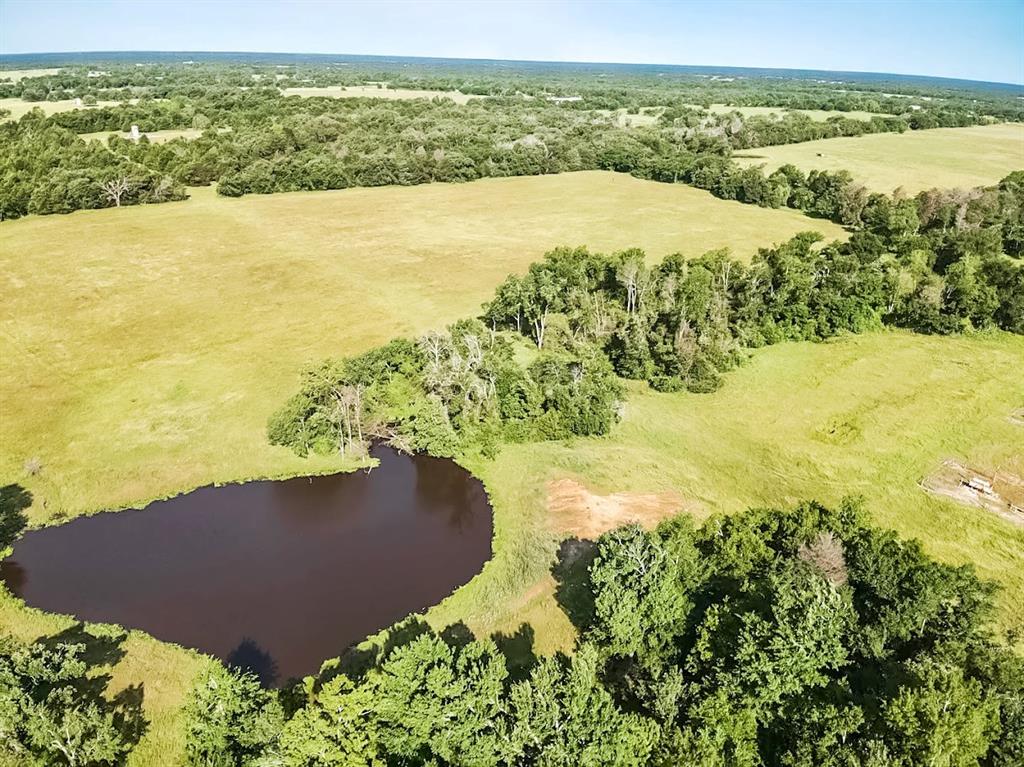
{"points": [[373, 92], [145, 347], [915, 160], [819, 115], [19, 108], [16, 75]]}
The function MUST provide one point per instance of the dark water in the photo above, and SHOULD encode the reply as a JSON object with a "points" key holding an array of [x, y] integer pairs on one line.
{"points": [[276, 576]]}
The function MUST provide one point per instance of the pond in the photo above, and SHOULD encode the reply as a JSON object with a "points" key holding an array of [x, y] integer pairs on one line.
{"points": [[275, 576]]}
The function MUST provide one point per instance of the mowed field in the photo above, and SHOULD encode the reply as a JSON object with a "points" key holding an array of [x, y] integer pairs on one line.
{"points": [[19, 108], [15, 75], [915, 160], [373, 92], [145, 347], [819, 115]]}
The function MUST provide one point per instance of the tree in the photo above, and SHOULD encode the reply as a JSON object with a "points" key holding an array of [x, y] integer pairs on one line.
{"points": [[49, 711], [115, 188], [230, 718]]}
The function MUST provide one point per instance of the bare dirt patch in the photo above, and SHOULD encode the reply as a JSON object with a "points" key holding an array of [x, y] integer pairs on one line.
{"points": [[577, 511], [999, 492], [1017, 416]]}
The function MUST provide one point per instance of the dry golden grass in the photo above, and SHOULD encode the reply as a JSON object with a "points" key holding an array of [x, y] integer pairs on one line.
{"points": [[915, 160], [373, 92], [15, 75], [19, 108]]}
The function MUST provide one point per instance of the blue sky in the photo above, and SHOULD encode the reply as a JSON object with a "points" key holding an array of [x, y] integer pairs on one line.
{"points": [[981, 40]]}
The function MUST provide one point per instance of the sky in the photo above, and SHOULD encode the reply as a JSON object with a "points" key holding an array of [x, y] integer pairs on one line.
{"points": [[977, 39]]}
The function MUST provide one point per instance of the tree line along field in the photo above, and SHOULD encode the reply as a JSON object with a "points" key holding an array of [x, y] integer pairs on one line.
{"points": [[916, 160]]}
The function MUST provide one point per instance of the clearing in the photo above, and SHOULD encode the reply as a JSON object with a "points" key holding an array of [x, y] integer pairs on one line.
{"points": [[818, 115], [156, 340], [19, 108], [373, 92], [915, 160], [15, 75]]}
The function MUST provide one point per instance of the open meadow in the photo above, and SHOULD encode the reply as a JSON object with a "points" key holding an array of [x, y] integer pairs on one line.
{"points": [[869, 415], [19, 108], [915, 160], [373, 92], [818, 115], [155, 341], [145, 348]]}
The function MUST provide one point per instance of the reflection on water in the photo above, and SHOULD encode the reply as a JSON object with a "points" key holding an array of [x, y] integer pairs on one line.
{"points": [[270, 576]]}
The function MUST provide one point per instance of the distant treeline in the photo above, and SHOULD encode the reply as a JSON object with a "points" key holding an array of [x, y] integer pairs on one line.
{"points": [[258, 141], [599, 86]]}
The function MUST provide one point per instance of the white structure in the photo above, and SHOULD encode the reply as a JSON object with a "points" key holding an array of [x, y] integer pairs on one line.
{"points": [[135, 135], [78, 103]]}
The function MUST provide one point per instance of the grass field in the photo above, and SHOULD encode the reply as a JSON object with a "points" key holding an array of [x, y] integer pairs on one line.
{"points": [[145, 347], [915, 160], [155, 137], [373, 92], [868, 415], [19, 108], [819, 115], [156, 340], [15, 75]]}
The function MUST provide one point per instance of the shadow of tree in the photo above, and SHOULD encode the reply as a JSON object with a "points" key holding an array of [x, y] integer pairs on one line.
{"points": [[571, 571], [249, 656], [102, 647], [355, 662], [517, 648], [128, 718], [457, 635], [14, 499]]}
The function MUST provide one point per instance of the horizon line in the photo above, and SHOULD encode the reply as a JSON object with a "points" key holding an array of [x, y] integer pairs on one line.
{"points": [[518, 61]]}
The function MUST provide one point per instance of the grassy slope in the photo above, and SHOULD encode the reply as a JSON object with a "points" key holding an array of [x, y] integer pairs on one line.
{"points": [[144, 348], [915, 160], [868, 415]]}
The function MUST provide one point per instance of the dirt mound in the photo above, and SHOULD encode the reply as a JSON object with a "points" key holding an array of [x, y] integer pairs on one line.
{"points": [[577, 511], [1001, 493]]}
